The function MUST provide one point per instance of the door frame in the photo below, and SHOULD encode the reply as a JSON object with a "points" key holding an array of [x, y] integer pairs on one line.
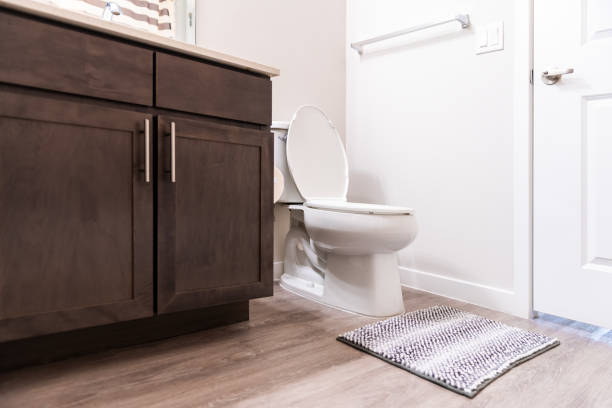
{"points": [[523, 158]]}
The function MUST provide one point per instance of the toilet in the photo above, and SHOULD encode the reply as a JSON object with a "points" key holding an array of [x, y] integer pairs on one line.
{"points": [[338, 253]]}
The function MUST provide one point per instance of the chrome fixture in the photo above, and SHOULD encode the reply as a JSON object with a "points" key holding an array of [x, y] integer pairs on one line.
{"points": [[111, 9], [552, 76], [147, 152], [464, 19], [173, 152]]}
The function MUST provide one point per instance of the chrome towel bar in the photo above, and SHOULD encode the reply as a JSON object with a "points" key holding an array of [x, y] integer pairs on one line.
{"points": [[464, 19]]}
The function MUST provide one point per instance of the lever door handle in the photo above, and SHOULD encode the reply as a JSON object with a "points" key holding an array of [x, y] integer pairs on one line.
{"points": [[553, 75]]}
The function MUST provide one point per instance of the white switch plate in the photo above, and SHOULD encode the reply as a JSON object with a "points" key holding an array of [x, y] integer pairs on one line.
{"points": [[490, 37], [483, 38]]}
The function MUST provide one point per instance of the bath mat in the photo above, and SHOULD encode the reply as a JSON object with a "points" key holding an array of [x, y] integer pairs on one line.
{"points": [[458, 350]]}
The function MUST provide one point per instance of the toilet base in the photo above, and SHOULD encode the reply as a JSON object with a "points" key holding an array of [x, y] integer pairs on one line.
{"points": [[368, 285]]}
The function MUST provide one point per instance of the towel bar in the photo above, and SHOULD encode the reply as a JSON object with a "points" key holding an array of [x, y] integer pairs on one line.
{"points": [[464, 19]]}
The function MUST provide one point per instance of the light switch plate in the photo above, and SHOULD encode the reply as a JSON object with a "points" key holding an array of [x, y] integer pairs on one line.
{"points": [[492, 34], [490, 37], [483, 39]]}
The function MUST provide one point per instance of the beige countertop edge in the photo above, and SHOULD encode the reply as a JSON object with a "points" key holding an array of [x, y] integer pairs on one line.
{"points": [[99, 25]]}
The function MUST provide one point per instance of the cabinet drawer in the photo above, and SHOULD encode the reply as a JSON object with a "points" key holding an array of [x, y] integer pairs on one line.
{"points": [[43, 55], [197, 87]]}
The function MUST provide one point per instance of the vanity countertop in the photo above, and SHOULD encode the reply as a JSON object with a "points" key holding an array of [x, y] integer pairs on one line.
{"points": [[106, 27]]}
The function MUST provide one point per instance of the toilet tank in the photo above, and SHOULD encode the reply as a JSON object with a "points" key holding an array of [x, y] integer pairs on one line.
{"points": [[290, 192]]}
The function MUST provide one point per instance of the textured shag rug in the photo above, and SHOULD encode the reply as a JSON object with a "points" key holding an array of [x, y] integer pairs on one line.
{"points": [[458, 350]]}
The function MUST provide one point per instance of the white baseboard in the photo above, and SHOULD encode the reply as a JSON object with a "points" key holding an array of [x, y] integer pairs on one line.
{"points": [[278, 268], [482, 295]]}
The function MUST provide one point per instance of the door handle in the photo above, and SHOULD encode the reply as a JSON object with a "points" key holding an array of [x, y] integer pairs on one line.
{"points": [[553, 75], [173, 152], [147, 152]]}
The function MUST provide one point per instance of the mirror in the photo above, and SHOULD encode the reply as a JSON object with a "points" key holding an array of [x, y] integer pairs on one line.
{"points": [[174, 19], [185, 21]]}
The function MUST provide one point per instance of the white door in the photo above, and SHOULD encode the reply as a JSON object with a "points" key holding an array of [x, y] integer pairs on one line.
{"points": [[573, 160]]}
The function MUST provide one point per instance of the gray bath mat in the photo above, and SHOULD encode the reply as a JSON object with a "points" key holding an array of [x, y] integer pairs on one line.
{"points": [[458, 350]]}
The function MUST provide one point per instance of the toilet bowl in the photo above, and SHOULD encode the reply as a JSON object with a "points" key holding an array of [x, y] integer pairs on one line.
{"points": [[338, 253]]}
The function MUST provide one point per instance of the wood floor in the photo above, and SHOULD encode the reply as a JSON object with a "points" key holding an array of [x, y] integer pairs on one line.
{"points": [[287, 356]]}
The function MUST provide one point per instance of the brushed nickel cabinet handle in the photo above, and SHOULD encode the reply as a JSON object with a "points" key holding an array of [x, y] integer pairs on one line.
{"points": [[147, 152], [173, 152]]}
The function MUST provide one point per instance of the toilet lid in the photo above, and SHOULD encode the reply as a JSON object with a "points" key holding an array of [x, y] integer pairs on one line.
{"points": [[315, 156]]}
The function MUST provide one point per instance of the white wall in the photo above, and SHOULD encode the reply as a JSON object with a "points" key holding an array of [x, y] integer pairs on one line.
{"points": [[304, 39], [430, 126]]}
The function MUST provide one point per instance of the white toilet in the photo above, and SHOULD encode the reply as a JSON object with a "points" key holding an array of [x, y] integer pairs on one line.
{"points": [[338, 253]]}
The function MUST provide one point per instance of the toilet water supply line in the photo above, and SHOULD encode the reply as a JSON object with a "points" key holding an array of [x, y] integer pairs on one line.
{"points": [[298, 239]]}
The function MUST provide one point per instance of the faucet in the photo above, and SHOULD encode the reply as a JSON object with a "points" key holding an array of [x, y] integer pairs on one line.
{"points": [[111, 9]]}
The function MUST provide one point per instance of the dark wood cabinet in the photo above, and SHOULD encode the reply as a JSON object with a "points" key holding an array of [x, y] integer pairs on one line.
{"points": [[77, 216], [42, 55], [99, 244], [215, 215], [199, 87]]}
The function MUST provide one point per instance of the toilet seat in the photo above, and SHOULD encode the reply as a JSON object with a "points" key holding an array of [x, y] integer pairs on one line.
{"points": [[318, 164], [358, 208]]}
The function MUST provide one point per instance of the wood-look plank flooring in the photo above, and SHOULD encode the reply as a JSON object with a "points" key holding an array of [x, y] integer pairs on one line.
{"points": [[287, 356]]}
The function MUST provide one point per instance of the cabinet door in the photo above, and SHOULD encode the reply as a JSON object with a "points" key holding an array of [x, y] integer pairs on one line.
{"points": [[76, 243], [215, 214]]}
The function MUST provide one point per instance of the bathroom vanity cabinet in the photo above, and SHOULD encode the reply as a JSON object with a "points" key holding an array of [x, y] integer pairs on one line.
{"points": [[135, 190]]}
